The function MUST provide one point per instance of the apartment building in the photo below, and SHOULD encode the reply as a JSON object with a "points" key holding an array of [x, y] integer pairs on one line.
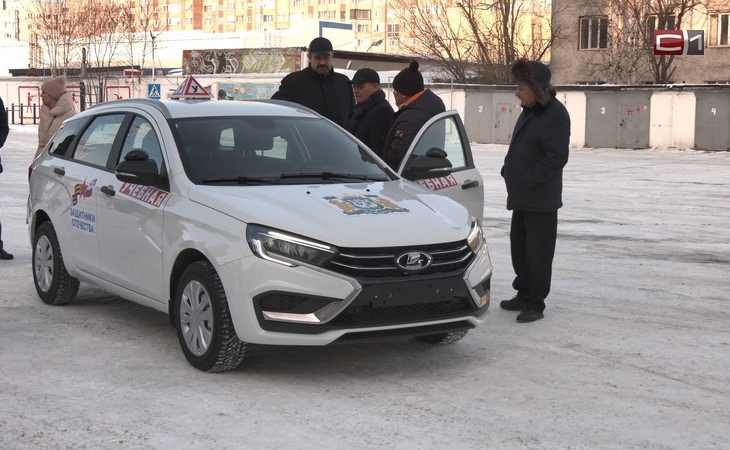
{"points": [[610, 42]]}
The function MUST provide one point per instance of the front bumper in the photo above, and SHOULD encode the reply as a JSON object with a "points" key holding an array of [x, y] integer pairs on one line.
{"points": [[280, 305]]}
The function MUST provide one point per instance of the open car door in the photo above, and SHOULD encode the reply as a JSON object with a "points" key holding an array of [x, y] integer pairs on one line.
{"points": [[440, 159]]}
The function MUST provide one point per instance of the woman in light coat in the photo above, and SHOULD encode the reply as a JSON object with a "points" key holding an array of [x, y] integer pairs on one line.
{"points": [[58, 105]]}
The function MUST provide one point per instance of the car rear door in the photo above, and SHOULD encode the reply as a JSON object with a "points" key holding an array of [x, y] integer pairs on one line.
{"points": [[464, 184]]}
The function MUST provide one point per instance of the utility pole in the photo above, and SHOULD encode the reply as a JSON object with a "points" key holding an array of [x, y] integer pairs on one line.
{"points": [[152, 36]]}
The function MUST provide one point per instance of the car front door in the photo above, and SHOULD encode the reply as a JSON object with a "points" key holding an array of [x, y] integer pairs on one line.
{"points": [[130, 217], [464, 184]]}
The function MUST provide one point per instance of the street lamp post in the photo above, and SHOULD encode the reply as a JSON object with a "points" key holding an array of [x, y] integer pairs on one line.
{"points": [[374, 44]]}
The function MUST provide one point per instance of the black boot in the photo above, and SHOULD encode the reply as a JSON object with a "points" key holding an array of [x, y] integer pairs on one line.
{"points": [[5, 255], [515, 304]]}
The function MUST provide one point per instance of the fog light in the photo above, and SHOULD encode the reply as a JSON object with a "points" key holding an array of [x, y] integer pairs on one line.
{"points": [[484, 299]]}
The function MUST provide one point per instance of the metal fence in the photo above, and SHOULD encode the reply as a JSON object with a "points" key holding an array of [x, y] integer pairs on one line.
{"points": [[23, 114]]}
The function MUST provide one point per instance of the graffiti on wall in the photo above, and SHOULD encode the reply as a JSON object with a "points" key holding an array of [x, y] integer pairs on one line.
{"points": [[241, 60]]}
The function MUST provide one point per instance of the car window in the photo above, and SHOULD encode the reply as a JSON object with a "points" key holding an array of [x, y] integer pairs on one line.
{"points": [[96, 142], [142, 135], [61, 142], [443, 134]]}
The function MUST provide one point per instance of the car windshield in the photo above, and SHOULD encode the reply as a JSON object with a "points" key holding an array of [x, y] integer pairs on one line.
{"points": [[253, 150]]}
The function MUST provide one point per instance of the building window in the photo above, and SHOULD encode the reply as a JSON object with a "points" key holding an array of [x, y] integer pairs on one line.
{"points": [[719, 29], [359, 14], [665, 22], [593, 33], [363, 28]]}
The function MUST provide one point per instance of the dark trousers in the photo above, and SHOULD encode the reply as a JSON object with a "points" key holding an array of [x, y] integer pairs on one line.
{"points": [[532, 243]]}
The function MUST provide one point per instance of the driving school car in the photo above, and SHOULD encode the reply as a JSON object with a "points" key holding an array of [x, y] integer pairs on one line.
{"points": [[260, 222]]}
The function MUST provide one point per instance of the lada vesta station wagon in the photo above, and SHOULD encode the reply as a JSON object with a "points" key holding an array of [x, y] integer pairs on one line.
{"points": [[261, 222]]}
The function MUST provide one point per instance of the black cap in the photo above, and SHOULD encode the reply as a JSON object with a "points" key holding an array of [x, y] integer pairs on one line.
{"points": [[365, 75], [321, 46]]}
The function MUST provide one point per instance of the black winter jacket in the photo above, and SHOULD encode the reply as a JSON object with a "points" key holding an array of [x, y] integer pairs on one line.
{"points": [[533, 166], [330, 95], [371, 121], [407, 121]]}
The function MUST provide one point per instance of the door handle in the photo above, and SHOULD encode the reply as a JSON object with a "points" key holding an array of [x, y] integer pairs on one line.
{"points": [[59, 171], [108, 190], [468, 184]]}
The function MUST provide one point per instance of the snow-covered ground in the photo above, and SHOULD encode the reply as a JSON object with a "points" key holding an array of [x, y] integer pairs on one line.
{"points": [[634, 350]]}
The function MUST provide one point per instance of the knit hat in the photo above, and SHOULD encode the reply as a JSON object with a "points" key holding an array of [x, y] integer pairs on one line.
{"points": [[409, 81], [535, 74], [320, 46], [55, 87]]}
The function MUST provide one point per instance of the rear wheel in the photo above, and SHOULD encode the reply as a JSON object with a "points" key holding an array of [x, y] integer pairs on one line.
{"points": [[52, 282], [443, 338], [203, 321]]}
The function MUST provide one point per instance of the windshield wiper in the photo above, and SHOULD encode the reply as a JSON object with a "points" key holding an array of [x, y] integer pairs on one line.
{"points": [[241, 180], [333, 176]]}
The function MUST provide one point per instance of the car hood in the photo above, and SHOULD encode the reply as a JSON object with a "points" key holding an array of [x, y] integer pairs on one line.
{"points": [[354, 215]]}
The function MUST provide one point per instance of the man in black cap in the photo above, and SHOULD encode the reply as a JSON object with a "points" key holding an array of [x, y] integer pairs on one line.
{"points": [[533, 174], [373, 113], [415, 106], [318, 86]]}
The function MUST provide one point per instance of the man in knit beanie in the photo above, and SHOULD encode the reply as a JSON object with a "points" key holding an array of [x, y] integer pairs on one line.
{"points": [[58, 105], [533, 174], [416, 105]]}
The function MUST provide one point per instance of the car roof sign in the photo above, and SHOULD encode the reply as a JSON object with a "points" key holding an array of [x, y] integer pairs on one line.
{"points": [[190, 89]]}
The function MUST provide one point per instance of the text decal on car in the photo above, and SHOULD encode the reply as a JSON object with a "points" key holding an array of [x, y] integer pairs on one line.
{"points": [[355, 205], [436, 184], [147, 194]]}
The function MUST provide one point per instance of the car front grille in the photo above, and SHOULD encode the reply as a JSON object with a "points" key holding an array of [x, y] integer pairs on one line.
{"points": [[379, 263]]}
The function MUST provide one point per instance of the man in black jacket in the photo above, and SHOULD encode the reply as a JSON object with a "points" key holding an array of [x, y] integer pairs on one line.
{"points": [[4, 130], [373, 113], [533, 174], [318, 86], [416, 106]]}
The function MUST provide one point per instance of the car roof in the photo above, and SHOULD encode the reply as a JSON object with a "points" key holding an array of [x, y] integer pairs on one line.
{"points": [[174, 109]]}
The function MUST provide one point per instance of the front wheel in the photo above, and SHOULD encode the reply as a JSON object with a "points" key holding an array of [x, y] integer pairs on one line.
{"points": [[443, 338], [52, 282], [203, 321]]}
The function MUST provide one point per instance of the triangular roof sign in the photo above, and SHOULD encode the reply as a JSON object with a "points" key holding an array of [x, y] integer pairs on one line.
{"points": [[190, 88]]}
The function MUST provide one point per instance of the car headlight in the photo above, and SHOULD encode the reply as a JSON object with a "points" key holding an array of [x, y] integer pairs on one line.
{"points": [[475, 238], [287, 249]]}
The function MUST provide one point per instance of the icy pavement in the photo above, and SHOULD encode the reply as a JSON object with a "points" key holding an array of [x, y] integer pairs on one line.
{"points": [[634, 350]]}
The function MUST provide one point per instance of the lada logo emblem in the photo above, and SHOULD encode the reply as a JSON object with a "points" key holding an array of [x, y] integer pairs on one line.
{"points": [[413, 261]]}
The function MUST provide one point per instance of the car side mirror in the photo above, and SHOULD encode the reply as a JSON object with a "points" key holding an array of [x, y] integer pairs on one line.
{"points": [[137, 168], [431, 165]]}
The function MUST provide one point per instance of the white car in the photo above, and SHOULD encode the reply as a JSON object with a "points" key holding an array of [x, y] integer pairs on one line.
{"points": [[260, 222]]}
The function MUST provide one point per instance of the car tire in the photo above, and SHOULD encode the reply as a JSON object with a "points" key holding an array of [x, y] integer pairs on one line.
{"points": [[52, 282], [443, 338], [203, 321]]}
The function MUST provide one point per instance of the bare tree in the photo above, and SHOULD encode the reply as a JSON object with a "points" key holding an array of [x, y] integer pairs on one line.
{"points": [[473, 41], [56, 26], [628, 57], [140, 27], [102, 38]]}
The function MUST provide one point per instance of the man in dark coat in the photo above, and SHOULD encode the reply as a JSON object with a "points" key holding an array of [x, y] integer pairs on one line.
{"points": [[416, 106], [4, 130], [318, 86], [373, 113], [533, 174]]}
